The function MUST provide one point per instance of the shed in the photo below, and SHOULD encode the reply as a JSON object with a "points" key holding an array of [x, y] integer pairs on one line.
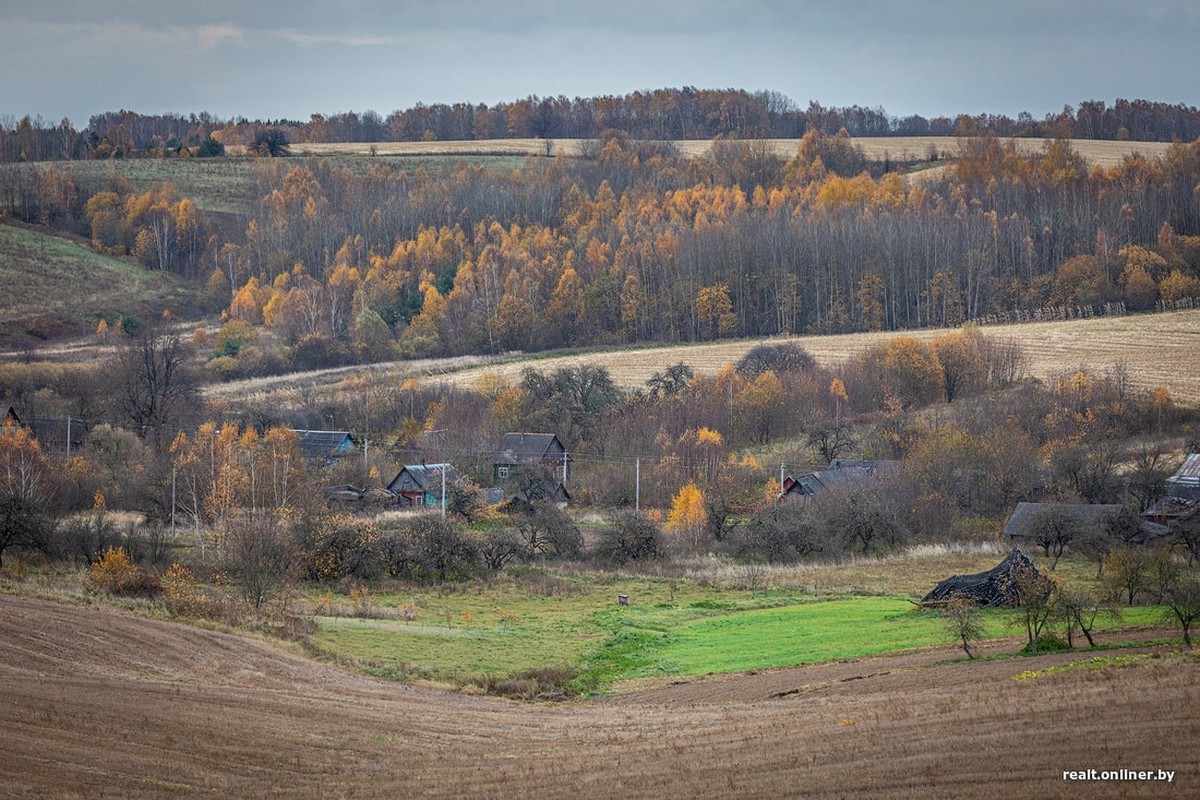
{"points": [[560, 497], [1168, 509], [55, 433]]}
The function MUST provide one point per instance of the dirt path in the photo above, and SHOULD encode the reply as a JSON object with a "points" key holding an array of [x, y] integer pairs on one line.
{"points": [[96, 703]]}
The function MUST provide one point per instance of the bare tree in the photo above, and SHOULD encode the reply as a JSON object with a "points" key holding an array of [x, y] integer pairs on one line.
{"points": [[154, 382], [257, 558], [1187, 534], [1054, 529], [1126, 573], [1079, 609], [830, 440], [1183, 600], [963, 622]]}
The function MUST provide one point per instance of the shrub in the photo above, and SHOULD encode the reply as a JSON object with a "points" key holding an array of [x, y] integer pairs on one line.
{"points": [[541, 683], [629, 536], [183, 596], [116, 573], [1045, 644], [777, 358]]}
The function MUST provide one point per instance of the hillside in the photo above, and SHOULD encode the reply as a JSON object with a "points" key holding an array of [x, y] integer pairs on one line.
{"points": [[53, 285], [1155, 349]]}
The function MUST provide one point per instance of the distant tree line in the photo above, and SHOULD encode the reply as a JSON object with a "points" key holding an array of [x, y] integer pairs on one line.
{"points": [[670, 114]]}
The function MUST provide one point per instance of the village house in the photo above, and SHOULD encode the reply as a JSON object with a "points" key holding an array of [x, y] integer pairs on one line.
{"points": [[1026, 521], [421, 485], [520, 451], [325, 447], [842, 473]]}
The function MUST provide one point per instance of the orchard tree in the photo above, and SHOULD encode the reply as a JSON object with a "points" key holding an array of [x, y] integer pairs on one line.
{"points": [[963, 622], [1183, 601]]}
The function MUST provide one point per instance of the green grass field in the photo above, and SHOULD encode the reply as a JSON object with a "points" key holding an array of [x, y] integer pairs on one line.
{"points": [[512, 625], [47, 275]]}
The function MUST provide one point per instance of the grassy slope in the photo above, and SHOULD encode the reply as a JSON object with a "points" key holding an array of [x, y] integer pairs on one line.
{"points": [[215, 185], [47, 275], [671, 628]]}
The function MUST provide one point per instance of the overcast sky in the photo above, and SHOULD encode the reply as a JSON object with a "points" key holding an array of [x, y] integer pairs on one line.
{"points": [[269, 59]]}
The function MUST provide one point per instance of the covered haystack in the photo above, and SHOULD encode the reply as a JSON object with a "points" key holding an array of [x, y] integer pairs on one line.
{"points": [[996, 587]]}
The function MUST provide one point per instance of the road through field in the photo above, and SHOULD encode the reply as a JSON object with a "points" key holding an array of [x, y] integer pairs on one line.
{"points": [[98, 703]]}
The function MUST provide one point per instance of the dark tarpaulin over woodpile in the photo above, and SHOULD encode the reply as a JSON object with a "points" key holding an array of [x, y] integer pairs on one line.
{"points": [[996, 587]]}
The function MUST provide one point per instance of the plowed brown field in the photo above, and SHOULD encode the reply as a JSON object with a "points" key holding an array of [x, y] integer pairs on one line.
{"points": [[97, 703]]}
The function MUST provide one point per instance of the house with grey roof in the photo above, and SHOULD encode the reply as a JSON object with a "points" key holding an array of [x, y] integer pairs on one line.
{"points": [[520, 451], [1027, 520], [325, 447], [421, 485], [842, 474]]}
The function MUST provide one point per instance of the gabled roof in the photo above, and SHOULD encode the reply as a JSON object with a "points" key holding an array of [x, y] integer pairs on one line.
{"points": [[9, 414], [323, 444], [425, 476], [817, 482], [1088, 515], [520, 448], [1189, 473]]}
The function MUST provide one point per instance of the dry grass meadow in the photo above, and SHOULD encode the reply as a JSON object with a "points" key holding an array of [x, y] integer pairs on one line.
{"points": [[901, 148], [1155, 349], [98, 703]]}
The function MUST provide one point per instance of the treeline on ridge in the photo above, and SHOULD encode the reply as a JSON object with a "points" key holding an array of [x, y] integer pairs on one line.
{"points": [[669, 114]]}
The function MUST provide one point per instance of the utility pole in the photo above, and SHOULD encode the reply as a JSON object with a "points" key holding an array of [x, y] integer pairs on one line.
{"points": [[443, 491], [637, 491], [68, 435]]}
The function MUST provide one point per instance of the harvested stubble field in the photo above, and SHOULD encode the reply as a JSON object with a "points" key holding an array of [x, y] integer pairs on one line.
{"points": [[877, 148], [1155, 349], [98, 703]]}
